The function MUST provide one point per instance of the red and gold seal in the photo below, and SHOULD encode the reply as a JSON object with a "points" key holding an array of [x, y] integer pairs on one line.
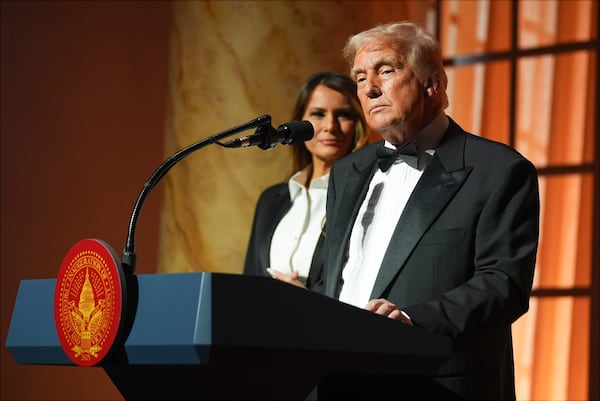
{"points": [[89, 301]]}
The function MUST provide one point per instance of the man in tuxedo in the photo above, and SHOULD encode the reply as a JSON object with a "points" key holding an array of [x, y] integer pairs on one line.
{"points": [[443, 233]]}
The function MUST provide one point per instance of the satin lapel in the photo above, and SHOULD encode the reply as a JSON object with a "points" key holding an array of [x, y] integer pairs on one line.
{"points": [[280, 205], [433, 192], [316, 265]]}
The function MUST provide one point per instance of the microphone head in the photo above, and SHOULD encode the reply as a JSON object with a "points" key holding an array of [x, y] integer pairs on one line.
{"points": [[296, 131]]}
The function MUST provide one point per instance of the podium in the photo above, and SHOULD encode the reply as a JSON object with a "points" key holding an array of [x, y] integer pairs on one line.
{"points": [[228, 336]]}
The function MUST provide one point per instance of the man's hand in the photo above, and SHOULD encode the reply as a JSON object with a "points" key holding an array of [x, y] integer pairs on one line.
{"points": [[386, 308]]}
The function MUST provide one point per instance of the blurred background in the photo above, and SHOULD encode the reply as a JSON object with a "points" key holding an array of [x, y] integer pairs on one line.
{"points": [[95, 95]]}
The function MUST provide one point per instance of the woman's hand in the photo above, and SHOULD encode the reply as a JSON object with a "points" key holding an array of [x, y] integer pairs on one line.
{"points": [[292, 278]]}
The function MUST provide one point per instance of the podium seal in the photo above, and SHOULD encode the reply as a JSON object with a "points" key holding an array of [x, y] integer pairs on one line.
{"points": [[89, 301]]}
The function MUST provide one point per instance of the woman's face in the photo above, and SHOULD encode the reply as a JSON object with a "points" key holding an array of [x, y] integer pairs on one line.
{"points": [[333, 119]]}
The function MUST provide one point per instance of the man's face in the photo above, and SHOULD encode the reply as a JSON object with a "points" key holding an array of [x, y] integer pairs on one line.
{"points": [[391, 96]]}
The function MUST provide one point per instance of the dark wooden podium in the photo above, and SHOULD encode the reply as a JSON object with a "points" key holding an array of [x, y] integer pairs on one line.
{"points": [[228, 336]]}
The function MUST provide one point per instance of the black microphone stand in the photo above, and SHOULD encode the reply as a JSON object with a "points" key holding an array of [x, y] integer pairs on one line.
{"points": [[128, 258]]}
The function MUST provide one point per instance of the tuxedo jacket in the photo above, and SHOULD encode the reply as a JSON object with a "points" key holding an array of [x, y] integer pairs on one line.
{"points": [[272, 205], [461, 258]]}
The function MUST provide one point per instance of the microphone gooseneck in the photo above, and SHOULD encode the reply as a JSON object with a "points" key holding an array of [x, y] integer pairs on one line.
{"points": [[128, 258]]}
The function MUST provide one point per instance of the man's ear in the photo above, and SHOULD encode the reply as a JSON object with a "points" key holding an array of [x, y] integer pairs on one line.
{"points": [[431, 87]]}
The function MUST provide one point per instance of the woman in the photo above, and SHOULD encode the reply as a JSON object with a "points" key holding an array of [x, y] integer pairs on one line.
{"points": [[289, 220]]}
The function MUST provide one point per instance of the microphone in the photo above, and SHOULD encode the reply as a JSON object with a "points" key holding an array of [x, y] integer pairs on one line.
{"points": [[128, 257], [266, 137]]}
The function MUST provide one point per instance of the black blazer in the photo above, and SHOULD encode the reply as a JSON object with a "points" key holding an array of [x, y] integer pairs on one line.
{"points": [[461, 259], [272, 205]]}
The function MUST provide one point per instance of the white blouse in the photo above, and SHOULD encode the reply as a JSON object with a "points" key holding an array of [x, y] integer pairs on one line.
{"points": [[295, 237]]}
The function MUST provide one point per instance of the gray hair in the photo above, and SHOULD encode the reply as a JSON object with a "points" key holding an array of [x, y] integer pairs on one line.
{"points": [[412, 43]]}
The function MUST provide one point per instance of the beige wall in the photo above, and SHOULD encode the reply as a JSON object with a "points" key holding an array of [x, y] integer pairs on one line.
{"points": [[232, 61]]}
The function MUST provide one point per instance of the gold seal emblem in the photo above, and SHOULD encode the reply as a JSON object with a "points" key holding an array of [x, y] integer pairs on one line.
{"points": [[88, 301]]}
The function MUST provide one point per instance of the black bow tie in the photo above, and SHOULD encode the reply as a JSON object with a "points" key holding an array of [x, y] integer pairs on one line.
{"points": [[387, 156]]}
